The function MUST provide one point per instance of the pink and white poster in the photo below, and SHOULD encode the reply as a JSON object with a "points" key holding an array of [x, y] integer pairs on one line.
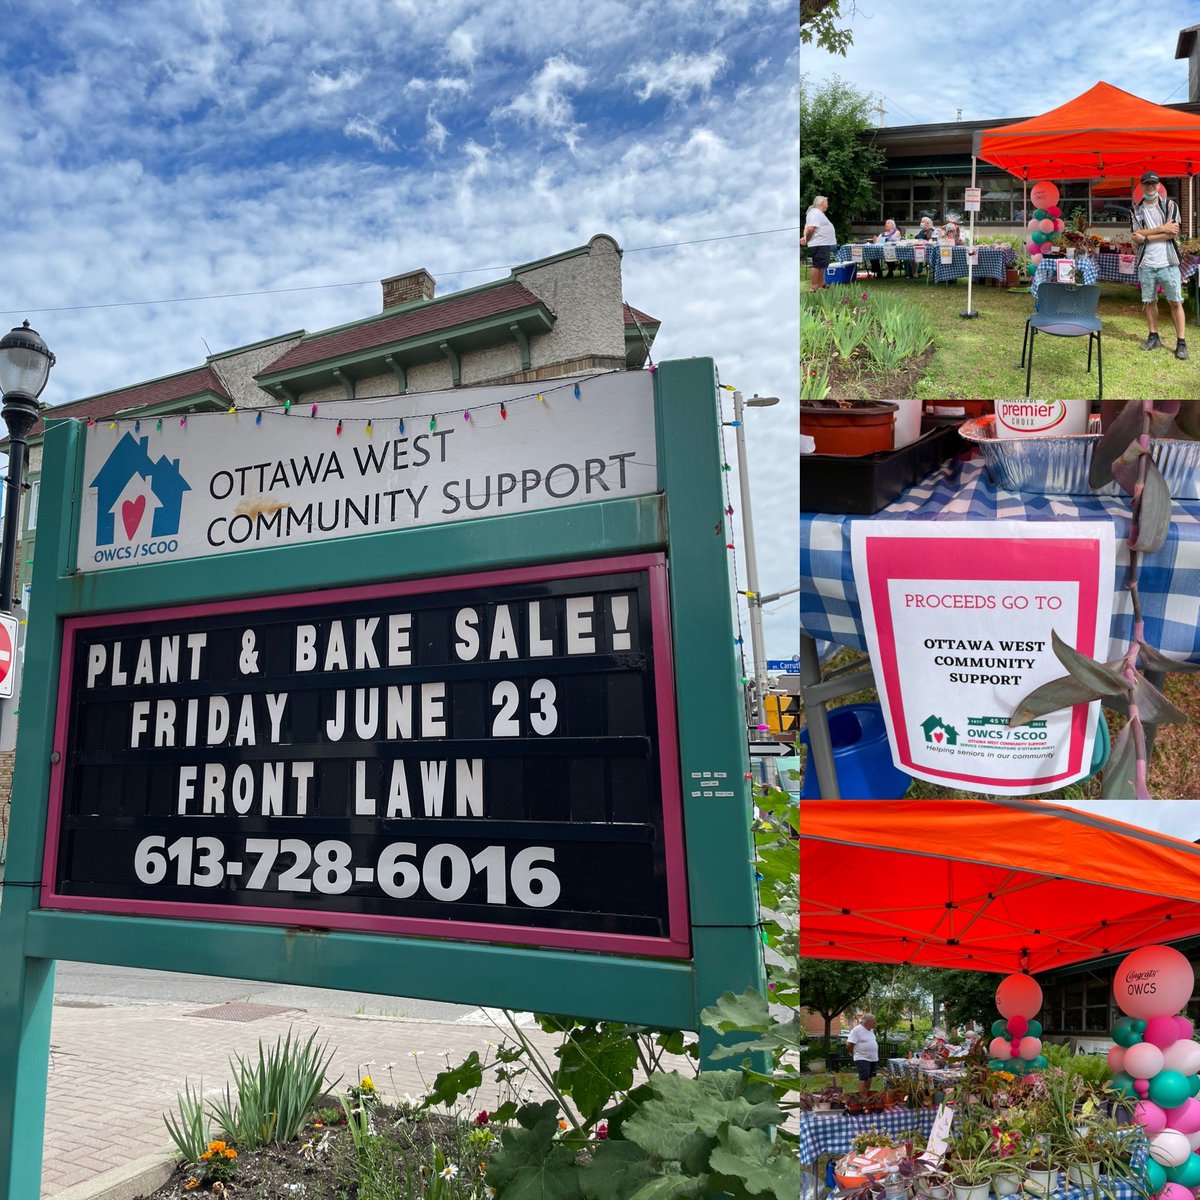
{"points": [[959, 618]]}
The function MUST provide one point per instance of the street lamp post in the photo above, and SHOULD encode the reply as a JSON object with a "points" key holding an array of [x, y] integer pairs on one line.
{"points": [[753, 600], [25, 362]]}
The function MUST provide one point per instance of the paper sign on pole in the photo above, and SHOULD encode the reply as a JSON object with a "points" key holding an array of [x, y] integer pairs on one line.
{"points": [[959, 618], [947, 253], [1125, 264], [856, 254], [973, 255], [972, 198]]}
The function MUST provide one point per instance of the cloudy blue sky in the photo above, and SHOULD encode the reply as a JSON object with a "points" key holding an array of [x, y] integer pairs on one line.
{"points": [[159, 149], [926, 59]]}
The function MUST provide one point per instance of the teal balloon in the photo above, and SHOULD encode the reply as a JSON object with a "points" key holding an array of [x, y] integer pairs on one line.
{"points": [[1122, 1082], [1188, 1173], [1039, 214], [1169, 1089], [994, 1064], [1040, 1063], [1155, 1176], [999, 1028], [1194, 1083], [1034, 1030], [1039, 237], [1139, 1025], [1124, 1032]]}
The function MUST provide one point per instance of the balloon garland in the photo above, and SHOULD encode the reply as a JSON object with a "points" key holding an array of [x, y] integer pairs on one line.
{"points": [[1046, 220], [1156, 1064], [1016, 1044]]}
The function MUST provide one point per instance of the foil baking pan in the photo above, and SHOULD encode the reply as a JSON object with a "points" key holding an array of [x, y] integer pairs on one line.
{"points": [[1058, 466]]}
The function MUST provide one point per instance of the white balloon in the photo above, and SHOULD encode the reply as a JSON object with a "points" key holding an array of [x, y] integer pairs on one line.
{"points": [[1143, 1061], [1170, 1148], [1182, 1056], [1194, 1140]]}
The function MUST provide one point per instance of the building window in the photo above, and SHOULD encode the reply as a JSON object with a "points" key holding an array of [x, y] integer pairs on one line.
{"points": [[31, 504]]}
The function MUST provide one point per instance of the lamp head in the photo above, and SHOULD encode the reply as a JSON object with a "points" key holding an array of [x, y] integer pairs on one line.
{"points": [[25, 362]]}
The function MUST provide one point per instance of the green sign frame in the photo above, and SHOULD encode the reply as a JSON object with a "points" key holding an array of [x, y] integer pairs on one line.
{"points": [[686, 520]]}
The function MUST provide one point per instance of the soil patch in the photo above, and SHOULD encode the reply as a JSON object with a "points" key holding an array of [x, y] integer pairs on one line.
{"points": [[851, 380]]}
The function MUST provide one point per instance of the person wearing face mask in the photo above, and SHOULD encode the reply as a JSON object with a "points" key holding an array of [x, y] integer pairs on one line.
{"points": [[1155, 224]]}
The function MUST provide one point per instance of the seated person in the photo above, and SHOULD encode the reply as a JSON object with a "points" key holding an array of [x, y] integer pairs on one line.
{"points": [[952, 233], [926, 233], [890, 234]]}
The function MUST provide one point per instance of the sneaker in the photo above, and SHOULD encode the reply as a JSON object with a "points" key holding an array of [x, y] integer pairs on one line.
{"points": [[1181, 349], [1152, 342]]}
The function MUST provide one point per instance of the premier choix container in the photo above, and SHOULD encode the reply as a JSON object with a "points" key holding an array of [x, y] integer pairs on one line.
{"points": [[1041, 418]]}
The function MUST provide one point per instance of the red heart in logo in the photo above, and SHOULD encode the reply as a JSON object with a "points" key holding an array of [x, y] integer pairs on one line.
{"points": [[131, 515], [937, 737]]}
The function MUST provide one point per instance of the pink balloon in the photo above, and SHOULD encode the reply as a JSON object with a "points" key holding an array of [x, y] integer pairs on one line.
{"points": [[1043, 195], [1176, 1191], [1185, 1118], [1046, 225], [1183, 1057], [1150, 1116], [999, 1048], [1034, 223], [1036, 259], [1160, 1032], [1059, 226], [1142, 1087], [1033, 248], [1185, 1028], [1052, 210], [1153, 980], [1116, 1059], [1030, 1048], [1020, 995], [1143, 1061], [1017, 1026]]}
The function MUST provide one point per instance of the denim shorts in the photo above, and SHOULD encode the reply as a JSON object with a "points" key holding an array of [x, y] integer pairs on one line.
{"points": [[1168, 277]]}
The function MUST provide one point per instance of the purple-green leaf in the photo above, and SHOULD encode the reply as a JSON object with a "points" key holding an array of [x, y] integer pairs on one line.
{"points": [[1125, 469], [1120, 773], [1155, 660], [1064, 692], [1097, 677], [1153, 705], [1154, 519], [1125, 429]]}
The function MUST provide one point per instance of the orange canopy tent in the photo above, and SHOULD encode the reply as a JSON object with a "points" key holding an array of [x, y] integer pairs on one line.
{"points": [[1102, 133], [987, 885]]}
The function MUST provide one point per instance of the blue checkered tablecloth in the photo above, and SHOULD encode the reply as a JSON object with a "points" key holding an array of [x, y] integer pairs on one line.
{"points": [[1105, 268], [990, 265], [834, 1132], [1169, 581]]}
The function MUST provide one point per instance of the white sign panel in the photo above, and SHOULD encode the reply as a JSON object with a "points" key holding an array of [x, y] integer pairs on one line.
{"points": [[9, 638], [959, 617], [220, 482], [972, 199]]}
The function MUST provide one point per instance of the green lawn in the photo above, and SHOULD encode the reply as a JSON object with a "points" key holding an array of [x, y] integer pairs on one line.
{"points": [[978, 359]]}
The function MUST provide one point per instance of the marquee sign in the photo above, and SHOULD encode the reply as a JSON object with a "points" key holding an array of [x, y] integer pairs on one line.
{"points": [[159, 491], [492, 755]]}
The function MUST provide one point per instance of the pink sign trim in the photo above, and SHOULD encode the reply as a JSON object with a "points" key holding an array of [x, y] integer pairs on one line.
{"points": [[1067, 560], [676, 945]]}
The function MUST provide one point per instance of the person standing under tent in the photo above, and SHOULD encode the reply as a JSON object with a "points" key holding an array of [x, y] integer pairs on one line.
{"points": [[820, 238], [865, 1048], [1155, 223]]}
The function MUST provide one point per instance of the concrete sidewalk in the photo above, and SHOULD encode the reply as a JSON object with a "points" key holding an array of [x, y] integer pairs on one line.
{"points": [[115, 1070]]}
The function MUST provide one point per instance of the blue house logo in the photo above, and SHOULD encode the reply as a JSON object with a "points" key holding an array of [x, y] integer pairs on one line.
{"points": [[121, 491]]}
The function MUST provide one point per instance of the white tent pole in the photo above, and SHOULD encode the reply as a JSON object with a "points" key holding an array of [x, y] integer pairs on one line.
{"points": [[970, 271]]}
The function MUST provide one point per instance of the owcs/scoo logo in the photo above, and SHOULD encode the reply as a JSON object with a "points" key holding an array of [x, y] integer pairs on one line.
{"points": [[140, 498]]}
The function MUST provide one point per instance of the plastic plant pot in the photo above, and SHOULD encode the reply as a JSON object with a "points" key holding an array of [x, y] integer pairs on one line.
{"points": [[861, 756], [864, 427]]}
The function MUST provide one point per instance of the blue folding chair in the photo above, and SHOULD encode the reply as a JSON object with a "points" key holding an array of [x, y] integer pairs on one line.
{"points": [[1065, 310]]}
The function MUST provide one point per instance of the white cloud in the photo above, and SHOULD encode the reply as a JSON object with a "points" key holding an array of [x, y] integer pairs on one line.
{"points": [[545, 103], [321, 84], [678, 76], [461, 48], [443, 83], [435, 132], [362, 127]]}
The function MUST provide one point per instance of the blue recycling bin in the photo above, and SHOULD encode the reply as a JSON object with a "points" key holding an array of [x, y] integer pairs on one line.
{"points": [[844, 272], [861, 755]]}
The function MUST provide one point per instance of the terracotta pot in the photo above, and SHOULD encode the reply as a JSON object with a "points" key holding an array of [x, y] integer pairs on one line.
{"points": [[1010, 277], [850, 432]]}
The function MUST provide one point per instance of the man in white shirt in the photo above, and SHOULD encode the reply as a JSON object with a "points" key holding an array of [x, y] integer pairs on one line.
{"points": [[820, 238], [1155, 225], [865, 1049]]}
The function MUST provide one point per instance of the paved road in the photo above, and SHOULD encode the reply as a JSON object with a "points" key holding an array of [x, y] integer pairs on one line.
{"points": [[94, 984]]}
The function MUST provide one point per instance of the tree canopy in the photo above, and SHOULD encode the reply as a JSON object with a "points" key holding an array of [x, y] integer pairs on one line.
{"points": [[818, 23], [835, 161], [829, 988]]}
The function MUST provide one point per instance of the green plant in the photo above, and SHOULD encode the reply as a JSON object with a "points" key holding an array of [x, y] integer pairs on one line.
{"points": [[217, 1164], [191, 1132], [1123, 455], [274, 1094], [814, 381]]}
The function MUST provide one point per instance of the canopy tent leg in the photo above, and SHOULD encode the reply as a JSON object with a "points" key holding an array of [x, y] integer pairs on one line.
{"points": [[970, 312]]}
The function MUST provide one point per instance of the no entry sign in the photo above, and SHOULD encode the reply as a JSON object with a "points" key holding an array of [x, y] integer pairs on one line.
{"points": [[492, 753], [8, 654]]}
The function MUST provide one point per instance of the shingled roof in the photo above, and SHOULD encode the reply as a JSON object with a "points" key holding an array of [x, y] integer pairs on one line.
{"points": [[635, 316], [410, 323], [143, 395]]}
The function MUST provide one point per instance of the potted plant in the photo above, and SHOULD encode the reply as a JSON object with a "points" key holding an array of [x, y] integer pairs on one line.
{"points": [[849, 427], [971, 1167], [1040, 1169], [828, 1099]]}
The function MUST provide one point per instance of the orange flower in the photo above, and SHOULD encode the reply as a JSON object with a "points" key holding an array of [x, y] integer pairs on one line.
{"points": [[231, 1153], [192, 1183], [562, 1124], [206, 1155], [216, 1147]]}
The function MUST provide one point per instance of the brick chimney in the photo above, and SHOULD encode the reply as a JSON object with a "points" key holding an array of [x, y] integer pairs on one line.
{"points": [[402, 289], [1188, 46]]}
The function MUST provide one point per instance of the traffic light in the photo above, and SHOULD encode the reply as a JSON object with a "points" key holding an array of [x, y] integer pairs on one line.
{"points": [[782, 713]]}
